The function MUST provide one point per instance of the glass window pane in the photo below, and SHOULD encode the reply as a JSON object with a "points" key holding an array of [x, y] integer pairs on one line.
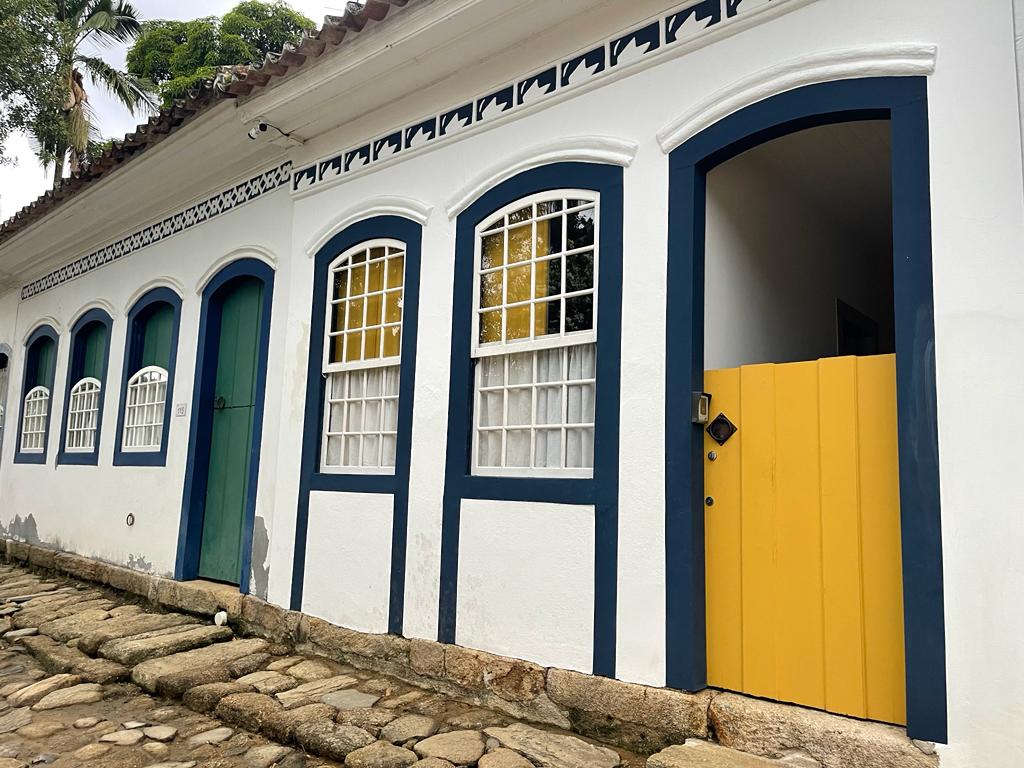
{"points": [[391, 381], [392, 341], [519, 284], [518, 322], [353, 346], [355, 312], [547, 317], [376, 277], [520, 407], [520, 243], [549, 405], [492, 251], [374, 382], [371, 451], [357, 282], [340, 284], [520, 368], [548, 278], [393, 307], [579, 274], [492, 406], [517, 448], [491, 284], [492, 371], [490, 326], [579, 313], [489, 449], [548, 207], [548, 450], [549, 364], [549, 236], [580, 229], [396, 271], [379, 252], [390, 448], [522, 214]]}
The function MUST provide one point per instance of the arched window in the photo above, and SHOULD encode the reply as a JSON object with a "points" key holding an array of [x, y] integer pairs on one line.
{"points": [[4, 371], [535, 336], [37, 388], [86, 379], [144, 417], [362, 350]]}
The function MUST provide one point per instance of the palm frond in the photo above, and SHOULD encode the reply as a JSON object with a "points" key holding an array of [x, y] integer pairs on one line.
{"points": [[110, 24], [133, 92]]}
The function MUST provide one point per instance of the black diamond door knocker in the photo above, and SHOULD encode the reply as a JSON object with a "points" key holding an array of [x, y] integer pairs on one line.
{"points": [[721, 429]]}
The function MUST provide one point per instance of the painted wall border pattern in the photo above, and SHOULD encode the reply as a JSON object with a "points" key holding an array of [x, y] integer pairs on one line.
{"points": [[673, 30], [225, 201]]}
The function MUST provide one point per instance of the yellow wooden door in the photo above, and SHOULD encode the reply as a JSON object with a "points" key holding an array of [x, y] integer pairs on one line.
{"points": [[804, 581]]}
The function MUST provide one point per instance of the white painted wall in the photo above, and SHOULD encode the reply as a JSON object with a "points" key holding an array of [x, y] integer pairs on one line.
{"points": [[348, 559], [978, 226], [526, 585]]}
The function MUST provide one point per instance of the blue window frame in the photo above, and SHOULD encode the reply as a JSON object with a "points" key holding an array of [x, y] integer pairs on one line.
{"points": [[151, 348], [37, 396], [314, 478], [602, 489], [5, 371], [85, 390]]}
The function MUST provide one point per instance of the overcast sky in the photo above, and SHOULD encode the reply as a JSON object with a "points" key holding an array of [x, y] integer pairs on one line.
{"points": [[23, 183]]}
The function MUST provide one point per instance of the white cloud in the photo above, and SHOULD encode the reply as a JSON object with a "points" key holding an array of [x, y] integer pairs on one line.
{"points": [[23, 183]]}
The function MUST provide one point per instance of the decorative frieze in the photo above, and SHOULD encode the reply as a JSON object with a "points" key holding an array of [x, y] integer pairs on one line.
{"points": [[672, 30], [201, 212]]}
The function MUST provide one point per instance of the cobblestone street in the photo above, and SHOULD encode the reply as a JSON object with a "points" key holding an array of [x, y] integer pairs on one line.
{"points": [[90, 678]]}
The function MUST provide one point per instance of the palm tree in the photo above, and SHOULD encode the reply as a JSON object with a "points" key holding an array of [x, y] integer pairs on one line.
{"points": [[103, 23]]}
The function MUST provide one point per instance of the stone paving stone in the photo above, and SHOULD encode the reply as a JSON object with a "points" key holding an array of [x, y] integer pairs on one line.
{"points": [[204, 698], [312, 691], [282, 664], [433, 762], [349, 699], [381, 754], [86, 693], [246, 710], [269, 682], [64, 658], [33, 693], [147, 673], [16, 634], [126, 738], [71, 627], [15, 719], [330, 740], [91, 751], [280, 726], [86, 722], [553, 750], [370, 719], [314, 669], [174, 686], [126, 626], [135, 649], [504, 758], [160, 732], [249, 664], [408, 727], [213, 736], [458, 747], [265, 755]]}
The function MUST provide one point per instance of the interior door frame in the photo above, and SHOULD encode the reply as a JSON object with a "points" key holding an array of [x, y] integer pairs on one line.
{"points": [[190, 530], [903, 102]]}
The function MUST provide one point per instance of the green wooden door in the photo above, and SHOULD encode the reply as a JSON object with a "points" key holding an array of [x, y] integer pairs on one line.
{"points": [[231, 435]]}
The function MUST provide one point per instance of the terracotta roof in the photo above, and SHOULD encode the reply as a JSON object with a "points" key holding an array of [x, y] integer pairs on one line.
{"points": [[230, 83]]}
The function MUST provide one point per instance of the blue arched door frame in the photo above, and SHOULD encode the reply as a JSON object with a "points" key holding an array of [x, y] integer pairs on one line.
{"points": [[903, 102], [190, 529]]}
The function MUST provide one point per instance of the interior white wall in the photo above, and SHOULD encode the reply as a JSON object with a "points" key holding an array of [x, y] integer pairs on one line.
{"points": [[348, 559], [526, 581], [782, 247]]}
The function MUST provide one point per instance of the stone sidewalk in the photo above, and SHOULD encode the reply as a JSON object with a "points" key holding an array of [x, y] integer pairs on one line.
{"points": [[90, 678]]}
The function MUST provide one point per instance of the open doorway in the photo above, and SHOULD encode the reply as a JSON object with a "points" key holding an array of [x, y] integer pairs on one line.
{"points": [[801, 471]]}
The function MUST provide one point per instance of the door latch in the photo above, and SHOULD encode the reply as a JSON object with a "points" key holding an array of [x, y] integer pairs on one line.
{"points": [[721, 429], [700, 407], [219, 403]]}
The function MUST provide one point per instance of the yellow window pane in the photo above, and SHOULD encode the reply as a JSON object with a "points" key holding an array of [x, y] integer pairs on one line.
{"points": [[338, 317], [392, 341], [520, 244], [490, 326], [518, 322], [336, 348], [374, 305], [492, 251], [542, 273], [340, 279], [376, 282], [355, 313], [519, 288], [372, 346], [396, 271], [490, 288], [378, 253], [357, 282], [393, 307], [543, 235], [353, 346]]}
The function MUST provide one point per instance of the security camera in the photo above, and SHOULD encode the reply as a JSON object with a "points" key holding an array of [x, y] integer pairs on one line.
{"points": [[256, 130]]}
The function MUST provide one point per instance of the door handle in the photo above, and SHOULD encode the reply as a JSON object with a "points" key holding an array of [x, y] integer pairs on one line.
{"points": [[219, 403]]}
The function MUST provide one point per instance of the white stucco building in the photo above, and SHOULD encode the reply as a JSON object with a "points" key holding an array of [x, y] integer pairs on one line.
{"points": [[426, 355]]}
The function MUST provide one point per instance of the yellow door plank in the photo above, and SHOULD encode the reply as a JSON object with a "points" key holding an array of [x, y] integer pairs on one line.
{"points": [[799, 634], [723, 528], [883, 585], [840, 538], [757, 483]]}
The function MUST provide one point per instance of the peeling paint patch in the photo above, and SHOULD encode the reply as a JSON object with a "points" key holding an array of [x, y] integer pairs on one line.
{"points": [[139, 563], [22, 530], [260, 578]]}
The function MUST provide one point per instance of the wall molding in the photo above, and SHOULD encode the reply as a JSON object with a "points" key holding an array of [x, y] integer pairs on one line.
{"points": [[211, 207], [890, 60], [103, 304], [606, 150], [385, 205], [41, 322], [164, 281], [257, 252]]}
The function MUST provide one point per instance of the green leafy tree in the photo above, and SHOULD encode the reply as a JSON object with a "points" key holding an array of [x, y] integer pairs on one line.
{"points": [[77, 26], [179, 55], [29, 84]]}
